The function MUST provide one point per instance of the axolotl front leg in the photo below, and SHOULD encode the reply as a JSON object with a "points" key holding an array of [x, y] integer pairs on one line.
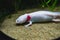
{"points": [[30, 23]]}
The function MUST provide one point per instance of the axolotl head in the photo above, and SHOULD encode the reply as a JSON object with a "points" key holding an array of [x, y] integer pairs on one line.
{"points": [[21, 19]]}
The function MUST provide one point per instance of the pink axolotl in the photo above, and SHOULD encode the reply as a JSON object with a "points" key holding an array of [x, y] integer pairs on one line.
{"points": [[38, 16]]}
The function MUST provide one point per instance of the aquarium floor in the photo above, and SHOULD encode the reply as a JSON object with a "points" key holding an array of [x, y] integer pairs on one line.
{"points": [[38, 31]]}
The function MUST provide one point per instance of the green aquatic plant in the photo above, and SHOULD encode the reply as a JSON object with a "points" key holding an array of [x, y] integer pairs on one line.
{"points": [[45, 3], [51, 4]]}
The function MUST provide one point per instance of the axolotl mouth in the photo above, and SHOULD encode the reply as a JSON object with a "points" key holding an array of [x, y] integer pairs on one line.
{"points": [[17, 24]]}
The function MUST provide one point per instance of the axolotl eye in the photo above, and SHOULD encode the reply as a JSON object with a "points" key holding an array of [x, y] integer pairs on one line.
{"points": [[17, 21]]}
